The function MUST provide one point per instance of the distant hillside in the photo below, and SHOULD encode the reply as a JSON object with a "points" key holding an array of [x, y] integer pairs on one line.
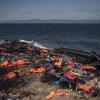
{"points": [[51, 21]]}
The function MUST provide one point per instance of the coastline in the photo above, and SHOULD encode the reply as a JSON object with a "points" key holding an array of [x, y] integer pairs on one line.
{"points": [[31, 87]]}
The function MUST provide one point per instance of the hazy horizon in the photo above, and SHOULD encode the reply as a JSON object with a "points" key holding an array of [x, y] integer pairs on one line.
{"points": [[49, 9]]}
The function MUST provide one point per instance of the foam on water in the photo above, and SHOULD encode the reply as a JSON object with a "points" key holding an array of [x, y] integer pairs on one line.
{"points": [[25, 41], [39, 45], [36, 44]]}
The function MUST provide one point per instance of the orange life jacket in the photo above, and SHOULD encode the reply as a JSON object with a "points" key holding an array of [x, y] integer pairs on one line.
{"points": [[53, 93], [89, 67], [10, 75], [37, 70], [86, 88], [5, 63], [20, 62]]}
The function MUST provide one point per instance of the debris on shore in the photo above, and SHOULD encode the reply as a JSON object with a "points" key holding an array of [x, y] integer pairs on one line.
{"points": [[28, 72]]}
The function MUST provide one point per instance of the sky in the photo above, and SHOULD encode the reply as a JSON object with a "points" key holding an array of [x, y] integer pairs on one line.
{"points": [[49, 9]]}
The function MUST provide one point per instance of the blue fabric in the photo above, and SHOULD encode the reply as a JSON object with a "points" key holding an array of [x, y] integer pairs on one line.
{"points": [[49, 61], [55, 80], [10, 59], [64, 79], [46, 73], [86, 77], [1, 59], [77, 66]]}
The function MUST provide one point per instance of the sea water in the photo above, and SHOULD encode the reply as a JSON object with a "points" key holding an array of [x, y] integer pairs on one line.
{"points": [[85, 37]]}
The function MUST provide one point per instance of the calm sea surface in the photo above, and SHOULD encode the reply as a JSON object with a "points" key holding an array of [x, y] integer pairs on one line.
{"points": [[84, 37]]}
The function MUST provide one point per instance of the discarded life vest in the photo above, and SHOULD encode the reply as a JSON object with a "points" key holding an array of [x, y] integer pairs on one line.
{"points": [[10, 75], [15, 63], [87, 77], [77, 66], [75, 73], [20, 62], [37, 70], [69, 75], [54, 93], [4, 64], [86, 88], [71, 64], [88, 68]]}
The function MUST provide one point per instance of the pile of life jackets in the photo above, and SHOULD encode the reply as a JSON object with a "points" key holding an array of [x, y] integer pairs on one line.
{"points": [[17, 63]]}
